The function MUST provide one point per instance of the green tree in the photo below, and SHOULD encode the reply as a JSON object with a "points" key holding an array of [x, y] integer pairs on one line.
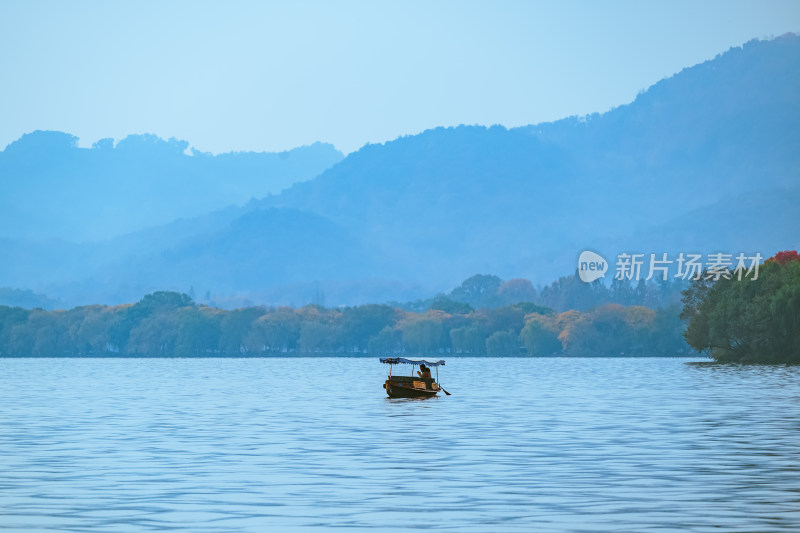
{"points": [[362, 323], [752, 320], [387, 341], [516, 290], [10, 317], [540, 335], [468, 340], [235, 327], [609, 330], [667, 333], [320, 329], [277, 331], [569, 292], [509, 318], [479, 291], [502, 344], [154, 335], [131, 316], [90, 327], [51, 336], [198, 331], [423, 333], [443, 303]]}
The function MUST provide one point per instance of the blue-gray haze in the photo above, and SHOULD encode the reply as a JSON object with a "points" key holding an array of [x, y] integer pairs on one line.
{"points": [[706, 161]]}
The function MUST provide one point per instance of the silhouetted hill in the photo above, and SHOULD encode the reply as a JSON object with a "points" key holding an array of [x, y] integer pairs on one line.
{"points": [[702, 161], [260, 248], [474, 199], [25, 298], [51, 188]]}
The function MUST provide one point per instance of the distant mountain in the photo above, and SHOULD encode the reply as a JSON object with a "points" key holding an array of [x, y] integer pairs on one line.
{"points": [[51, 188], [25, 298], [456, 201], [760, 221], [706, 160]]}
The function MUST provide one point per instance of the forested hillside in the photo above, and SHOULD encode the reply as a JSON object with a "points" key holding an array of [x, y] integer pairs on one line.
{"points": [[705, 160]]}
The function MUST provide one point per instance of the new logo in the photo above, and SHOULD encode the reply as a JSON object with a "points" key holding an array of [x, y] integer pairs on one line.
{"points": [[591, 266]]}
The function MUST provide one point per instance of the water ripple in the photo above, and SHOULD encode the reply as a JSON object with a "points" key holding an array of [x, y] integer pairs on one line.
{"points": [[215, 445]]}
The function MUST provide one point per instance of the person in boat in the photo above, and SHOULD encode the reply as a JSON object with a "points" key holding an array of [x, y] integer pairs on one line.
{"points": [[424, 372]]}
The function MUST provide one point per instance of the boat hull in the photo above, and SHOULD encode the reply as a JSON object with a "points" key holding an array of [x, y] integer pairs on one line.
{"points": [[407, 390]]}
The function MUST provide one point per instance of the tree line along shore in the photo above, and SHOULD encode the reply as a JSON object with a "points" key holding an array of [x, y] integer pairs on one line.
{"points": [[171, 324], [754, 319]]}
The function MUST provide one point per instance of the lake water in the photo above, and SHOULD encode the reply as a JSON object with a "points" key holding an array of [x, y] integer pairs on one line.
{"points": [[575, 444]]}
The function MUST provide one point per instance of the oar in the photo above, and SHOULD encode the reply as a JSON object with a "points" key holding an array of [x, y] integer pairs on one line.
{"points": [[445, 391]]}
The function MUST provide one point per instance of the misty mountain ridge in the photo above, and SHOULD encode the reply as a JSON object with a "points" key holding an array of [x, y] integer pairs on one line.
{"points": [[51, 188], [536, 194], [706, 159]]}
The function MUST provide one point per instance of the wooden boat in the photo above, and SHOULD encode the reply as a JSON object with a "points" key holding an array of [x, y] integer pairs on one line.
{"points": [[412, 386]]}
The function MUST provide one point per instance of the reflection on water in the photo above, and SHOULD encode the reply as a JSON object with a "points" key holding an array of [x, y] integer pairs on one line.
{"points": [[296, 444]]}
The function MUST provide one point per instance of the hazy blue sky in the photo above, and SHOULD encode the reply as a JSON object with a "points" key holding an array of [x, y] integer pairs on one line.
{"points": [[270, 76]]}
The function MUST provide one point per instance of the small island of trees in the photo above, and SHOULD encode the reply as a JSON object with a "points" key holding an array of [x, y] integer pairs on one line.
{"points": [[752, 320]]}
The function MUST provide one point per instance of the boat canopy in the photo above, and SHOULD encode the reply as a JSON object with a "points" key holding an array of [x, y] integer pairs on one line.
{"points": [[402, 360]]}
